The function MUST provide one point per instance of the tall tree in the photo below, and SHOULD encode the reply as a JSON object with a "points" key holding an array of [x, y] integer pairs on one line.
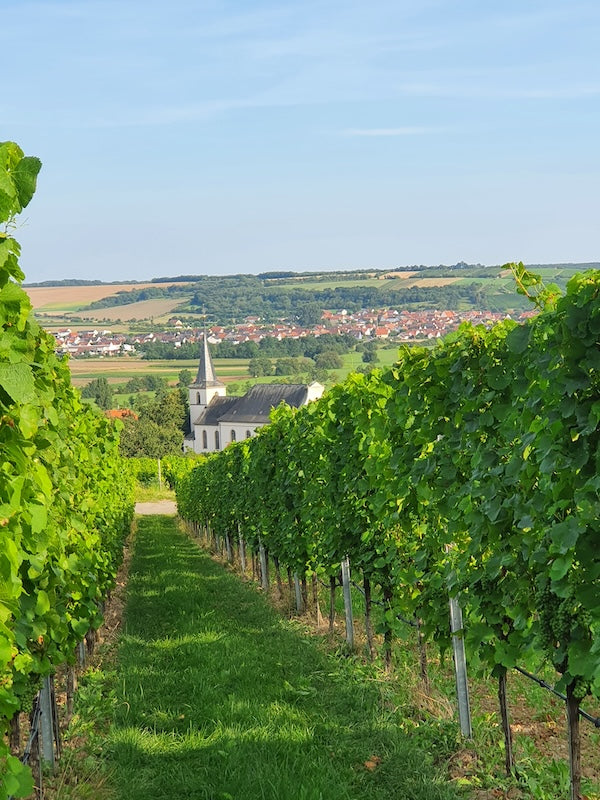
{"points": [[159, 428], [99, 390], [184, 378]]}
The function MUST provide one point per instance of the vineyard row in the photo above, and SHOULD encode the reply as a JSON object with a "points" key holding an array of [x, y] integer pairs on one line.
{"points": [[66, 500], [468, 470]]}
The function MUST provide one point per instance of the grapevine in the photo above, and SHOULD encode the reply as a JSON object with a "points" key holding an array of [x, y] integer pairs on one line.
{"points": [[65, 498], [470, 468]]}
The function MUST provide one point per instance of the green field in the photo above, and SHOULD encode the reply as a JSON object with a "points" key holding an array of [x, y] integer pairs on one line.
{"points": [[320, 285], [230, 370], [119, 369]]}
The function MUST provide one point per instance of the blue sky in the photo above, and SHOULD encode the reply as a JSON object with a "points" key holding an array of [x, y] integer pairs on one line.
{"points": [[223, 137]]}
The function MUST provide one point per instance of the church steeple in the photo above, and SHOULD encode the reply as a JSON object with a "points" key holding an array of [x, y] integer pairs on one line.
{"points": [[206, 386], [206, 372]]}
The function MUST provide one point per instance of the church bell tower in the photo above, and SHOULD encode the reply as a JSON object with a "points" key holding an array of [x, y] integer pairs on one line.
{"points": [[206, 386]]}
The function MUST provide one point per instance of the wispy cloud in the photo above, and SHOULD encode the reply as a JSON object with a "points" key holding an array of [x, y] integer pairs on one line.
{"points": [[406, 130]]}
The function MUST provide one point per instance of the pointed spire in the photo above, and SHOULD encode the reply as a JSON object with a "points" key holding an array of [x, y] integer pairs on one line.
{"points": [[206, 372]]}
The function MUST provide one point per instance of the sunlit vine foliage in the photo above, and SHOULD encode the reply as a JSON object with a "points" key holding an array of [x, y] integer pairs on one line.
{"points": [[65, 496], [471, 468]]}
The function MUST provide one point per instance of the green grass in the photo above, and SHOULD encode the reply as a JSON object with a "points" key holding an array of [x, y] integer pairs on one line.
{"points": [[386, 354], [152, 493], [216, 696], [322, 285], [121, 399]]}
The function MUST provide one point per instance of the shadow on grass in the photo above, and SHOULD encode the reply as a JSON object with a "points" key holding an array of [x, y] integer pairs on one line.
{"points": [[217, 697]]}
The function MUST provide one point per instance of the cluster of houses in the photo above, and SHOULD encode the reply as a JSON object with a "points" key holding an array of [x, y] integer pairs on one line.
{"points": [[91, 343], [401, 326]]}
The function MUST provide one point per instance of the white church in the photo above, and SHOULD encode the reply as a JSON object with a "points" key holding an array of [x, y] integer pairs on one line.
{"points": [[217, 420]]}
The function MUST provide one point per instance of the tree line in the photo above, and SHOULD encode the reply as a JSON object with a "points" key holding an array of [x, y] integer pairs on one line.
{"points": [[271, 347]]}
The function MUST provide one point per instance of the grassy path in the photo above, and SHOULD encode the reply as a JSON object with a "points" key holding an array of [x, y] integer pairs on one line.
{"points": [[217, 698]]}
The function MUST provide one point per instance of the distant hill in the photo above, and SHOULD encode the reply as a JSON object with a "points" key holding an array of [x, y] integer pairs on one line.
{"points": [[460, 268], [76, 282], [284, 294]]}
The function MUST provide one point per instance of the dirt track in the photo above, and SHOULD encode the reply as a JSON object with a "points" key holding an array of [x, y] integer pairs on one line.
{"points": [[161, 507]]}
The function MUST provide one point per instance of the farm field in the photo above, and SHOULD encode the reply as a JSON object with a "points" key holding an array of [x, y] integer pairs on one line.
{"points": [[119, 370], [400, 280], [229, 370], [158, 311], [68, 297], [320, 285], [424, 282], [353, 361], [405, 279], [58, 305]]}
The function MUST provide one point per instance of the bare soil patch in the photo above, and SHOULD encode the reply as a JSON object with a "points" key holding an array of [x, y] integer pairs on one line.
{"points": [[159, 507]]}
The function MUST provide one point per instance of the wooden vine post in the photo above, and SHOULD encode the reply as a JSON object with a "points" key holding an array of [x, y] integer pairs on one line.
{"points": [[277, 566], [333, 581], [264, 569], [315, 596], [298, 594], [574, 742], [388, 634], [242, 550], [368, 619], [509, 759], [423, 666]]}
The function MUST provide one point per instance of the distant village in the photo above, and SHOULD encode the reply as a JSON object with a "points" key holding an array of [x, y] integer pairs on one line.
{"points": [[381, 324]]}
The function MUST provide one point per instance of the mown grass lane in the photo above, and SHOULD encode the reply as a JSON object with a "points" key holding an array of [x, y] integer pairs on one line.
{"points": [[218, 698]]}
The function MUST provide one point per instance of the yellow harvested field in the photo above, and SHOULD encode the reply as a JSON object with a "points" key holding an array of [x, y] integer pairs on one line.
{"points": [[402, 275], [145, 309], [69, 296], [423, 282]]}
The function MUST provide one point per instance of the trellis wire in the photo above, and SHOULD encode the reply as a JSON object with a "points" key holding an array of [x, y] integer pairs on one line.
{"points": [[594, 720]]}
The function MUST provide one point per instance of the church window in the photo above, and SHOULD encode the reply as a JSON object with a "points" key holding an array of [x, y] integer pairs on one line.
{"points": [[217, 441], [204, 440], [199, 401], [248, 434], [233, 435]]}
